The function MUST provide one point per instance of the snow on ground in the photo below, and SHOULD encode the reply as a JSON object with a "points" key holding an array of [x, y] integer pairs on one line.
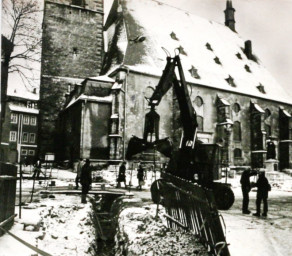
{"points": [[253, 236], [63, 227], [68, 230], [144, 234]]}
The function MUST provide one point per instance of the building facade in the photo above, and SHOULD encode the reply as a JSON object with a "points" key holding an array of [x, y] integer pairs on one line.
{"points": [[237, 102], [20, 131], [72, 50]]}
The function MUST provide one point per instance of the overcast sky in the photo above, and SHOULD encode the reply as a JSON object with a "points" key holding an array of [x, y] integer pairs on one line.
{"points": [[267, 23]]}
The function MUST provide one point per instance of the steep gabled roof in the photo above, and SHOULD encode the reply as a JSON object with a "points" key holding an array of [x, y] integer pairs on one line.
{"points": [[212, 55]]}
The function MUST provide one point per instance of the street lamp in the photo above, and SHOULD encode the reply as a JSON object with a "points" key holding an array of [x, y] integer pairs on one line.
{"points": [[227, 128]]}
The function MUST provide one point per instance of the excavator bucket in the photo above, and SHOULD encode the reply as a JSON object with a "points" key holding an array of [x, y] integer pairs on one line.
{"points": [[135, 146]]}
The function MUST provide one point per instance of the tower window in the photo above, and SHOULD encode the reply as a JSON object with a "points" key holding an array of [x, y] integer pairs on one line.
{"points": [[75, 52]]}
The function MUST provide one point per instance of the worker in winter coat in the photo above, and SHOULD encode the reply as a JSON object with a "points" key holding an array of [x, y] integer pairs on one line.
{"points": [[246, 187], [122, 175], [78, 167], [262, 194], [85, 180], [140, 176]]}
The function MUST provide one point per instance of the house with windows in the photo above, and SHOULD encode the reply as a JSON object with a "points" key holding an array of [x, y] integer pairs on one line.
{"points": [[237, 101], [20, 130]]}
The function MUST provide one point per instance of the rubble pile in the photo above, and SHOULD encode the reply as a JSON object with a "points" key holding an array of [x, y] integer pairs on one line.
{"points": [[66, 228], [140, 233]]}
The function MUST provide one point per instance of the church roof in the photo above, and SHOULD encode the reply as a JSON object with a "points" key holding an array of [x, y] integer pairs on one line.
{"points": [[211, 54]]}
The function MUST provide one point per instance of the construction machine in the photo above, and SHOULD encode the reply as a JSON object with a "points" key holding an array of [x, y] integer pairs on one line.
{"points": [[193, 161]]}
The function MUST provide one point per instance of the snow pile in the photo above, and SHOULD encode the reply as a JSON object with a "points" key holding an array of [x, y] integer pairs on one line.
{"points": [[68, 229], [60, 226], [141, 233]]}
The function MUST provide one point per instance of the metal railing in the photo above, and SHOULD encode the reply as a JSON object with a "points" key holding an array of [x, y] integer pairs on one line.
{"points": [[191, 207]]}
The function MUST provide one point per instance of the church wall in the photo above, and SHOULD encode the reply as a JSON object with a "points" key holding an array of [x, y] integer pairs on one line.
{"points": [[95, 132], [209, 114]]}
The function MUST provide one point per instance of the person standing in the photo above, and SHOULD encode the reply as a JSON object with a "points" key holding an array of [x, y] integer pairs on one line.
{"points": [[262, 194], [78, 167], [85, 180], [122, 175], [246, 187], [140, 176], [37, 169]]}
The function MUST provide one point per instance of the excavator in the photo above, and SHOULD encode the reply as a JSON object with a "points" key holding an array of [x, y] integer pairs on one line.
{"points": [[193, 161]]}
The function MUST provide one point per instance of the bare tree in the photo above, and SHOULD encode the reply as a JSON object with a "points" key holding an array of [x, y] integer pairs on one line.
{"points": [[22, 27]]}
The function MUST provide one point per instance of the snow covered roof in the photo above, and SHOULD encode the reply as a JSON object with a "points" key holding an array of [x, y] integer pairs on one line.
{"points": [[102, 79], [23, 93], [211, 54], [22, 109], [106, 99]]}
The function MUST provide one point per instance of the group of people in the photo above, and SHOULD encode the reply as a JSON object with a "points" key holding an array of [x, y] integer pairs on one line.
{"points": [[122, 175], [263, 188]]}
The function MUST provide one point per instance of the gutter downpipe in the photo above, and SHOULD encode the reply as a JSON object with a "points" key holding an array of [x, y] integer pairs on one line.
{"points": [[82, 129], [125, 113]]}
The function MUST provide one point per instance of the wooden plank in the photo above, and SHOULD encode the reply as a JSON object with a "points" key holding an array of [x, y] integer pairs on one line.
{"points": [[3, 223]]}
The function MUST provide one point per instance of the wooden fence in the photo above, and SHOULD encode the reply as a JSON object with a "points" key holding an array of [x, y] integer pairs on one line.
{"points": [[191, 207], [8, 177]]}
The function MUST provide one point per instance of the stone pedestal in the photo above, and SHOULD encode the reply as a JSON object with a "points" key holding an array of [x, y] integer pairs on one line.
{"points": [[271, 165]]}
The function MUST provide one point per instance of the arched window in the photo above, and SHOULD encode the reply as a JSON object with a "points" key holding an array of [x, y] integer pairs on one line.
{"points": [[236, 107], [236, 131], [267, 113], [149, 91], [200, 121], [198, 101], [268, 130], [237, 153]]}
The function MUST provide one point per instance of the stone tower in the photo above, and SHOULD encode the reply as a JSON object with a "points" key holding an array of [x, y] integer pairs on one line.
{"points": [[229, 15], [72, 50]]}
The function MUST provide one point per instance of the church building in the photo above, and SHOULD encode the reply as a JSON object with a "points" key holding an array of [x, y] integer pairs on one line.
{"points": [[97, 76]]}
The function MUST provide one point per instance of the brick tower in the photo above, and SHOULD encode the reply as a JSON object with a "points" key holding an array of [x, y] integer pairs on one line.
{"points": [[72, 50]]}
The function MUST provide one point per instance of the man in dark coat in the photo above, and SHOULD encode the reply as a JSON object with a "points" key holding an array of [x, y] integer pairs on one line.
{"points": [[122, 175], [140, 176], [246, 187], [85, 180], [262, 194]]}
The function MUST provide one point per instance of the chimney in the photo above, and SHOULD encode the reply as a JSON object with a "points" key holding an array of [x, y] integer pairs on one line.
{"points": [[229, 15], [248, 49]]}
